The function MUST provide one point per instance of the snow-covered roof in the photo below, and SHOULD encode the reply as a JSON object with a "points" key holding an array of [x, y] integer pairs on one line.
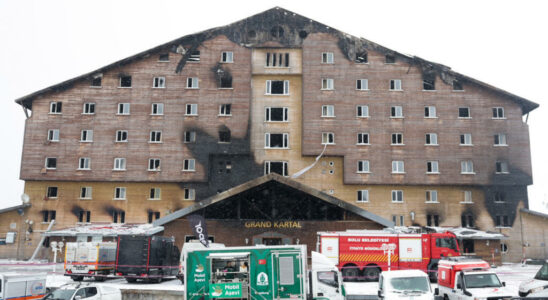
{"points": [[460, 232], [107, 230]]}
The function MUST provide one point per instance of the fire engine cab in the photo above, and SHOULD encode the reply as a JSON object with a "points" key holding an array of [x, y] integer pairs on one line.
{"points": [[469, 278]]}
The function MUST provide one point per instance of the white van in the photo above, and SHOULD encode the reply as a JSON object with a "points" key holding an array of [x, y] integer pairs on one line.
{"points": [[22, 286], [192, 245], [405, 284], [88, 291]]}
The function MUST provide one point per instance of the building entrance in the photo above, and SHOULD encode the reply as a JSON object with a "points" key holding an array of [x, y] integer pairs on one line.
{"points": [[272, 241]]}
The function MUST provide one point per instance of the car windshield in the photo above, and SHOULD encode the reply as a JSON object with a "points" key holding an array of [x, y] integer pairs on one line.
{"points": [[481, 281], [419, 284], [64, 294], [542, 274]]}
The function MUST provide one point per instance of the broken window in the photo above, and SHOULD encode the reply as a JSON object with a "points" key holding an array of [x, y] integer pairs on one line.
{"points": [[89, 108], [428, 82], [327, 58], [163, 57], [125, 81], [189, 136], [464, 112], [51, 162], [277, 31], [432, 167], [85, 192], [502, 221], [467, 220], [432, 196], [153, 215], [224, 110], [501, 167], [119, 164], [189, 165], [430, 112], [86, 136], [431, 139], [96, 81], [192, 83], [363, 166], [328, 138], [363, 196], [154, 164], [390, 59], [154, 193], [189, 194], [278, 167], [467, 167], [84, 163], [328, 84], [361, 57], [500, 139], [48, 215], [227, 57], [468, 246], [119, 216], [123, 108], [397, 196], [276, 114], [276, 140], [362, 111], [51, 192], [120, 193], [191, 110], [362, 84], [457, 86], [53, 135], [157, 109], [433, 220], [398, 166], [363, 138], [225, 82], [155, 137], [159, 82], [395, 85], [396, 112], [224, 136], [328, 111], [277, 87], [121, 136], [55, 107], [84, 216], [194, 56], [498, 113]]}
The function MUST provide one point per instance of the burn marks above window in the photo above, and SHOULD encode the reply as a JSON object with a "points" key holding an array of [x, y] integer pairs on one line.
{"points": [[361, 57]]}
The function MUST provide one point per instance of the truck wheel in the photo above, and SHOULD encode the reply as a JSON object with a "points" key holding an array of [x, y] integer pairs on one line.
{"points": [[433, 274], [131, 280], [350, 273], [100, 278], [155, 280], [371, 273], [445, 297], [77, 278]]}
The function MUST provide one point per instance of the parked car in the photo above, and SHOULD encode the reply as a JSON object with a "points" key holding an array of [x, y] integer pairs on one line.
{"points": [[405, 284], [536, 287], [88, 291], [22, 286]]}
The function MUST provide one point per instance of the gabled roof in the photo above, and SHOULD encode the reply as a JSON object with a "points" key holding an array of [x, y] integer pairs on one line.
{"points": [[256, 30], [280, 179]]}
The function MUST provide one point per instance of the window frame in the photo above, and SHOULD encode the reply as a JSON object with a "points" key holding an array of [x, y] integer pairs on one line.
{"points": [[268, 114], [223, 108], [398, 138], [191, 135], [87, 191], [362, 196], [189, 165], [396, 167], [54, 159], [501, 167], [469, 113], [159, 82], [363, 134], [87, 107], [121, 163], [328, 58], [395, 85], [192, 83], [53, 135], [193, 107], [86, 136], [86, 163], [467, 167], [56, 108], [156, 164], [121, 79], [155, 137], [497, 142], [225, 57], [189, 194], [326, 137], [120, 133], [394, 109], [155, 194], [430, 112], [467, 138], [467, 197], [428, 136], [158, 107], [268, 167], [431, 196], [498, 113], [286, 86], [365, 166], [268, 140], [363, 110], [434, 166], [122, 109], [120, 193], [52, 188], [326, 109], [360, 84], [328, 84], [397, 194]]}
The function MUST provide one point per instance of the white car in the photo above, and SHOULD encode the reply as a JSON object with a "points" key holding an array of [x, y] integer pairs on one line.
{"points": [[88, 291], [405, 284], [536, 287]]}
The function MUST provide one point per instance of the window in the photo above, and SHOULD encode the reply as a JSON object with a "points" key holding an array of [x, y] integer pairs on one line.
{"points": [[362, 111], [53, 135], [276, 114], [84, 216], [224, 136], [429, 83], [467, 220], [125, 81], [96, 81], [121, 136], [154, 164], [154, 193], [328, 111], [396, 112], [85, 192], [501, 167], [189, 136], [432, 167], [277, 59], [277, 87], [361, 57], [327, 58], [467, 197], [51, 163], [363, 166], [48, 215], [276, 140], [159, 82], [123, 108], [153, 215], [464, 112], [194, 56], [395, 85], [433, 220], [119, 216], [395, 219], [84, 163], [157, 109], [498, 197], [89, 108], [163, 57], [189, 194], [224, 110], [327, 84], [430, 112], [397, 139], [278, 167], [397, 196], [363, 138], [389, 59], [51, 192], [502, 221], [362, 196], [155, 137], [328, 138], [500, 139], [362, 84], [467, 167], [457, 86], [398, 166], [498, 113], [120, 193], [191, 110], [431, 139], [192, 83], [225, 82], [119, 164], [55, 107], [431, 196], [227, 57], [86, 136], [466, 139], [189, 165]]}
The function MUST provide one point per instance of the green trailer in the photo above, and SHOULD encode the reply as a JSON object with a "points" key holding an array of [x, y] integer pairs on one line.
{"points": [[259, 272]]}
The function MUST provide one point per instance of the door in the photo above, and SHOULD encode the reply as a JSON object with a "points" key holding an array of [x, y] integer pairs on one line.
{"points": [[272, 241], [288, 275]]}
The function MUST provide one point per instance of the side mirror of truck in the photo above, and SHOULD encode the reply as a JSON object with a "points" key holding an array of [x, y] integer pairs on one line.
{"points": [[467, 293], [77, 297], [459, 286], [379, 293], [503, 283], [436, 291]]}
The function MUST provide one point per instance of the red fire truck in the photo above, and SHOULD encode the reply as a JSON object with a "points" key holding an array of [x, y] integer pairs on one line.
{"points": [[363, 254]]}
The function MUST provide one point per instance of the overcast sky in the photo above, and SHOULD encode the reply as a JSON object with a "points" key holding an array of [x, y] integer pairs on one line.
{"points": [[503, 43]]}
